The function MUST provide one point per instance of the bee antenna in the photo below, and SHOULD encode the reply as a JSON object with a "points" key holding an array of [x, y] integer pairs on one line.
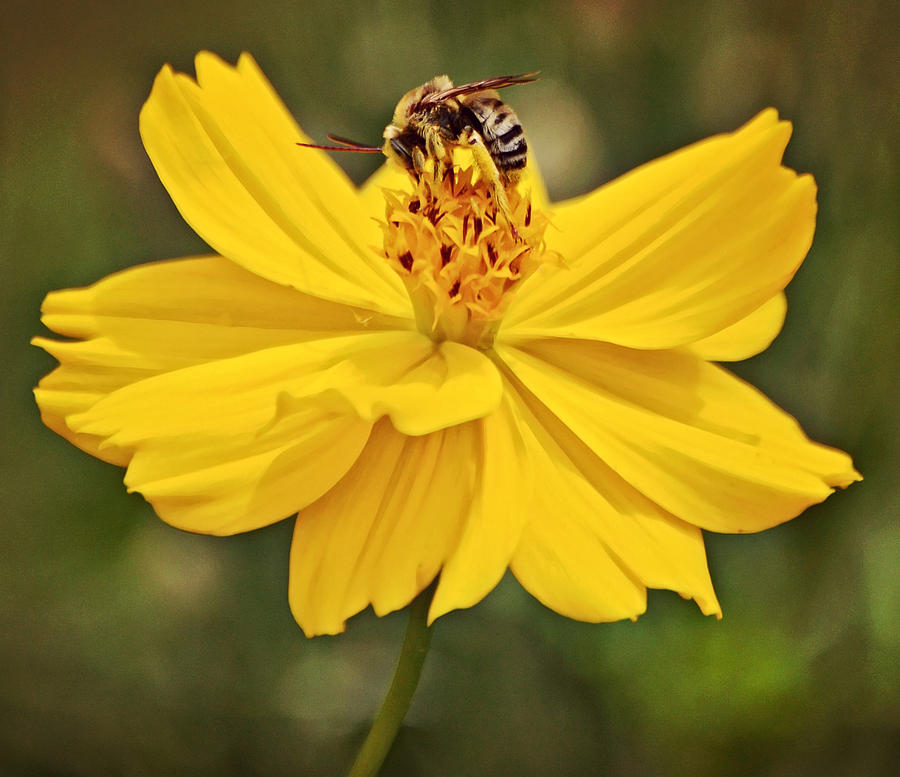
{"points": [[345, 145]]}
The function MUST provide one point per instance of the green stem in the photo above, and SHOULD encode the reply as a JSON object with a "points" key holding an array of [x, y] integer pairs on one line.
{"points": [[403, 686]]}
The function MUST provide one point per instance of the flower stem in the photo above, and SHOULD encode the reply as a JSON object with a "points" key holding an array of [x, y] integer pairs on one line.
{"points": [[396, 703]]}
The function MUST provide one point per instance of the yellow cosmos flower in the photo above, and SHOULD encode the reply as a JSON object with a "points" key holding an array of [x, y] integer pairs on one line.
{"points": [[432, 393]]}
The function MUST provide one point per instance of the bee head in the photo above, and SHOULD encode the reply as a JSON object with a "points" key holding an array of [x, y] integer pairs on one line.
{"points": [[411, 103], [401, 135]]}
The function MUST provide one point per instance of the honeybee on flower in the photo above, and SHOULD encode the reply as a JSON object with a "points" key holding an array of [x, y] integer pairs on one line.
{"points": [[430, 120]]}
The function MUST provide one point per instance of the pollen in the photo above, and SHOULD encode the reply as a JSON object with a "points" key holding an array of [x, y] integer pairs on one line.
{"points": [[459, 254]]}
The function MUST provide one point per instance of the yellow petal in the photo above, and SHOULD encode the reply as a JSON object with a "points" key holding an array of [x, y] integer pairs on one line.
{"points": [[422, 385], [748, 337], [209, 446], [228, 483], [700, 443], [168, 315], [678, 250], [225, 149], [639, 189], [186, 311], [233, 444], [382, 533], [592, 543], [225, 471], [497, 515]]}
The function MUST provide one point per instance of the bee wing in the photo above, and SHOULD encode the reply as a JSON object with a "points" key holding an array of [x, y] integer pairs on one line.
{"points": [[479, 86]]}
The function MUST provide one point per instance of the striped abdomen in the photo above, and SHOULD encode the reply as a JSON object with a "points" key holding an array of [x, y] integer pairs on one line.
{"points": [[501, 131]]}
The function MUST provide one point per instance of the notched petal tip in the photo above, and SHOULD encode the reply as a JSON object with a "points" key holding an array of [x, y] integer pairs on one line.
{"points": [[206, 58], [709, 604], [247, 63], [845, 477]]}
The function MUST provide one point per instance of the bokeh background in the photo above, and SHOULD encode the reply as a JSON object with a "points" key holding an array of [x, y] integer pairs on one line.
{"points": [[130, 648]]}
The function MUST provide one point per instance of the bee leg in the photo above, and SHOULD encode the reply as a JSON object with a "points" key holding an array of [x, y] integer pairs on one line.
{"points": [[488, 169], [437, 150], [418, 161]]}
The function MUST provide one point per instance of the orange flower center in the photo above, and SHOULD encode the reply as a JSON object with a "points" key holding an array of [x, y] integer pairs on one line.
{"points": [[459, 255]]}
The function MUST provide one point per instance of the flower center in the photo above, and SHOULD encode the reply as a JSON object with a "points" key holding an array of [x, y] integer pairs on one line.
{"points": [[459, 254]]}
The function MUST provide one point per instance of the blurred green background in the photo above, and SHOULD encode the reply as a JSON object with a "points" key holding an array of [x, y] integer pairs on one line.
{"points": [[130, 648]]}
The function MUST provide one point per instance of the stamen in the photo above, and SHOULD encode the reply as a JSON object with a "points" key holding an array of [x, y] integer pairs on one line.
{"points": [[459, 256]]}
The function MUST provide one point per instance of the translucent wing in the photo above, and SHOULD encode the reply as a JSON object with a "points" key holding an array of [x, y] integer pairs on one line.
{"points": [[479, 86]]}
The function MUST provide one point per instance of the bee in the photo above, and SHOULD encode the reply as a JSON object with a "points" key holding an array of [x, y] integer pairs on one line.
{"points": [[432, 119]]}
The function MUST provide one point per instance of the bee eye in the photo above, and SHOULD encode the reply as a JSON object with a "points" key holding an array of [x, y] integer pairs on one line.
{"points": [[402, 150]]}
